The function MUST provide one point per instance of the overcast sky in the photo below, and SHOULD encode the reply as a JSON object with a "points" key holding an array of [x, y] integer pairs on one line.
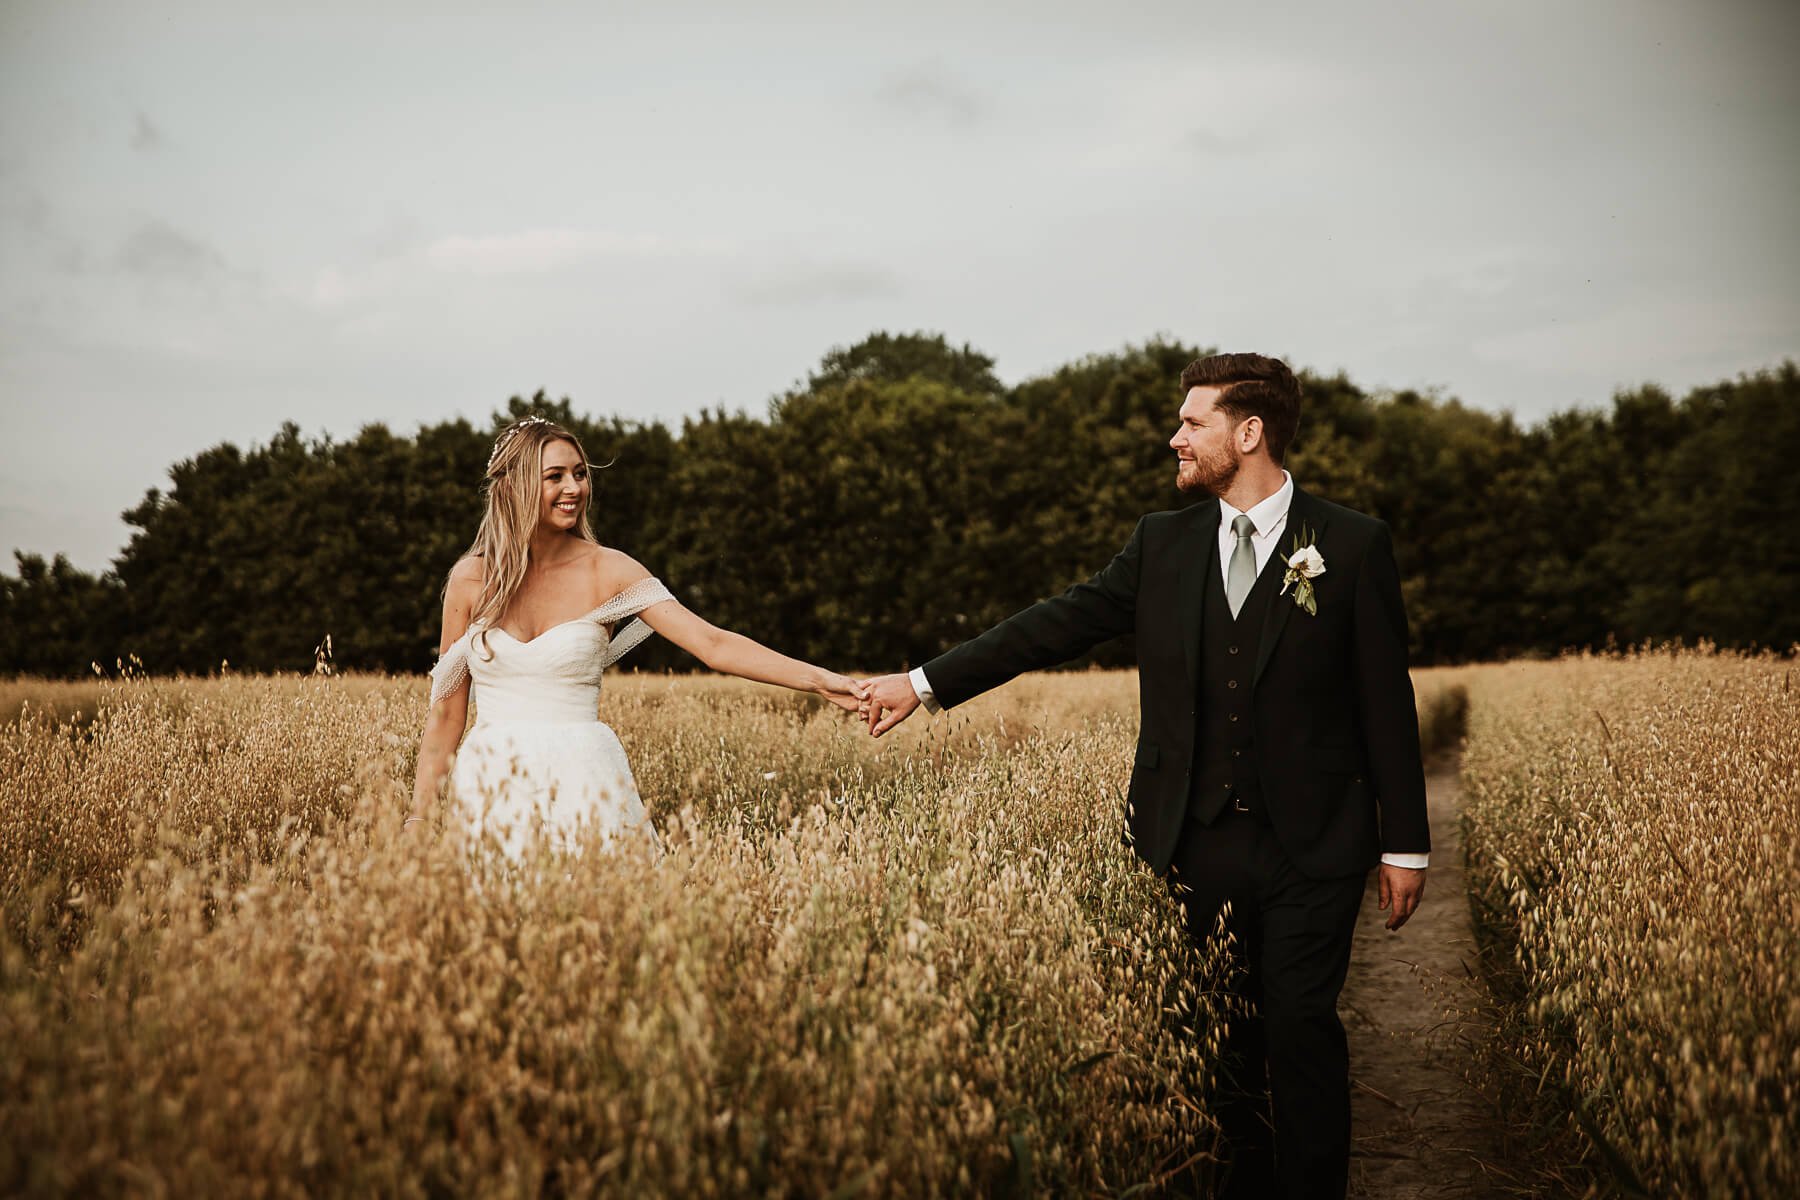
{"points": [[214, 218]]}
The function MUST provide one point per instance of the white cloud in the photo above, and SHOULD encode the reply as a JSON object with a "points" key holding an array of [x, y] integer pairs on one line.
{"points": [[535, 251], [1619, 341], [1162, 110], [145, 135], [930, 90], [831, 283], [158, 249], [1489, 272], [528, 252]]}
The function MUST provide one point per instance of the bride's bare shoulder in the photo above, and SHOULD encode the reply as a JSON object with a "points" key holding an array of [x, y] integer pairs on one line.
{"points": [[466, 578], [462, 592], [469, 569], [615, 570]]}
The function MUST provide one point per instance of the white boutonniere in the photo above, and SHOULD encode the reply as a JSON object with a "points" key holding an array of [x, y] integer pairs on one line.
{"points": [[1304, 564]]}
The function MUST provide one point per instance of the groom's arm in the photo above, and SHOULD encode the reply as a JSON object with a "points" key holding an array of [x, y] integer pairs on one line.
{"points": [[1049, 632], [1390, 717]]}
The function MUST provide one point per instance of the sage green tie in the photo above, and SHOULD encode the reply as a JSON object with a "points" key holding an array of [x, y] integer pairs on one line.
{"points": [[1241, 576]]}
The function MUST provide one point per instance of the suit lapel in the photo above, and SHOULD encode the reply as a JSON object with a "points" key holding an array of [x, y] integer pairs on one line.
{"points": [[1199, 554], [1303, 515]]}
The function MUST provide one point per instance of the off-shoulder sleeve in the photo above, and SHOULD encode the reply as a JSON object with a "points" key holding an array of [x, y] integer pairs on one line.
{"points": [[634, 599], [451, 670]]}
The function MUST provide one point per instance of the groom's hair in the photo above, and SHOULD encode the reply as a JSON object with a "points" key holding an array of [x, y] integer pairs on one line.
{"points": [[1252, 386]]}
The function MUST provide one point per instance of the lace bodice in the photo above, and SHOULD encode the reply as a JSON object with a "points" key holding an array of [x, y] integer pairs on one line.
{"points": [[556, 675]]}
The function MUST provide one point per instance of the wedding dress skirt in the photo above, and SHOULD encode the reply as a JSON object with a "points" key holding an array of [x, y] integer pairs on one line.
{"points": [[538, 758]]}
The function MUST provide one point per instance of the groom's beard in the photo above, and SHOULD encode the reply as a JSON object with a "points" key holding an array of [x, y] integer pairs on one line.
{"points": [[1212, 475]]}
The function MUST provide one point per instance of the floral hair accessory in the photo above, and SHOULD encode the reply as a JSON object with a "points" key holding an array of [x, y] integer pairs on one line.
{"points": [[507, 435]]}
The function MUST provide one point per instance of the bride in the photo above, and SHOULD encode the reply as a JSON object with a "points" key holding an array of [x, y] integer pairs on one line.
{"points": [[532, 616]]}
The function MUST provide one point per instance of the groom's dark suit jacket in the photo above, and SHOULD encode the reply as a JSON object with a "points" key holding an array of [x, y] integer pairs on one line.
{"points": [[1336, 734]]}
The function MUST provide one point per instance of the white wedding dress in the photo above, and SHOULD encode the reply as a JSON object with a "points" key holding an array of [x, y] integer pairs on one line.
{"points": [[538, 756]]}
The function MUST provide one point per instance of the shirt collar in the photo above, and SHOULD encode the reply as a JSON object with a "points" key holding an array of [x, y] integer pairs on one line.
{"points": [[1266, 513]]}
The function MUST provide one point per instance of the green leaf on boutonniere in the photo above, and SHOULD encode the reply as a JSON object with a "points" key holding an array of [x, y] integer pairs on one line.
{"points": [[1304, 597]]}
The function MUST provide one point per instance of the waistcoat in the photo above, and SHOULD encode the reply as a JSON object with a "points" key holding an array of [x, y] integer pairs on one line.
{"points": [[1224, 742]]}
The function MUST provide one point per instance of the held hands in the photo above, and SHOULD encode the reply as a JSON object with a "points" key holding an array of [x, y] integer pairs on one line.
{"points": [[1401, 889], [848, 694], [891, 700]]}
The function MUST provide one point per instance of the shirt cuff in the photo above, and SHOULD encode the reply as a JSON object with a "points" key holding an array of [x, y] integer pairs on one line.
{"points": [[1413, 862], [922, 688]]}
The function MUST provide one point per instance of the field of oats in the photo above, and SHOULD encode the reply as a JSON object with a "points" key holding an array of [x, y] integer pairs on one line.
{"points": [[1633, 833], [920, 966], [924, 965]]}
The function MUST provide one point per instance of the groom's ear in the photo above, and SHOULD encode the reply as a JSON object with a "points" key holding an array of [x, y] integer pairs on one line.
{"points": [[1250, 434]]}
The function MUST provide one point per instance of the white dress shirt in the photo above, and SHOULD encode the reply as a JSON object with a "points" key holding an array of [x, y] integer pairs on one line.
{"points": [[1269, 516]]}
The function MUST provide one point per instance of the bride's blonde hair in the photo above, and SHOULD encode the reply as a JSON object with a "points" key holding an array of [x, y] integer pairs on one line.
{"points": [[514, 504]]}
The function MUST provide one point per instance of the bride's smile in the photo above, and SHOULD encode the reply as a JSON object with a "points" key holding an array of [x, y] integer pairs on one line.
{"points": [[566, 485]]}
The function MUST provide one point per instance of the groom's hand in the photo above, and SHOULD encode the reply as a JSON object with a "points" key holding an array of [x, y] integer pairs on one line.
{"points": [[1401, 890], [891, 700]]}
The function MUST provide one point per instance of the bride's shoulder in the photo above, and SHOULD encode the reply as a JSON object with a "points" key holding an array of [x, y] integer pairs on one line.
{"points": [[614, 570], [466, 577]]}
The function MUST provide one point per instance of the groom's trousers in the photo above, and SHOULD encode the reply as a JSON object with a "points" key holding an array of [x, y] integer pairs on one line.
{"points": [[1284, 1099]]}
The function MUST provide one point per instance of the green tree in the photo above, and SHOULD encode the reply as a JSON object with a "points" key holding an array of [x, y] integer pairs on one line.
{"points": [[903, 500], [894, 357], [1575, 490], [57, 620], [1707, 551], [882, 503]]}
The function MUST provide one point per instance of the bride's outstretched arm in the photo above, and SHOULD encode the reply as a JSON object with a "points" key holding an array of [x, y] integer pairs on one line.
{"points": [[449, 715], [720, 649], [734, 654], [727, 652]]}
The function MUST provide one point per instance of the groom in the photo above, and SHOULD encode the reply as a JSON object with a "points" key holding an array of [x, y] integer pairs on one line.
{"points": [[1278, 756]]}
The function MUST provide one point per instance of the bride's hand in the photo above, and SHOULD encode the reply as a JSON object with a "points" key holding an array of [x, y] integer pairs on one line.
{"points": [[843, 691]]}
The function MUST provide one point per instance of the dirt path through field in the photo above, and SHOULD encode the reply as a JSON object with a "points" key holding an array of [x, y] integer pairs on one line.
{"points": [[1419, 1130]]}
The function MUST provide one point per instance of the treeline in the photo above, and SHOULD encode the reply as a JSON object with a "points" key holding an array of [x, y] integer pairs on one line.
{"points": [[903, 499]]}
